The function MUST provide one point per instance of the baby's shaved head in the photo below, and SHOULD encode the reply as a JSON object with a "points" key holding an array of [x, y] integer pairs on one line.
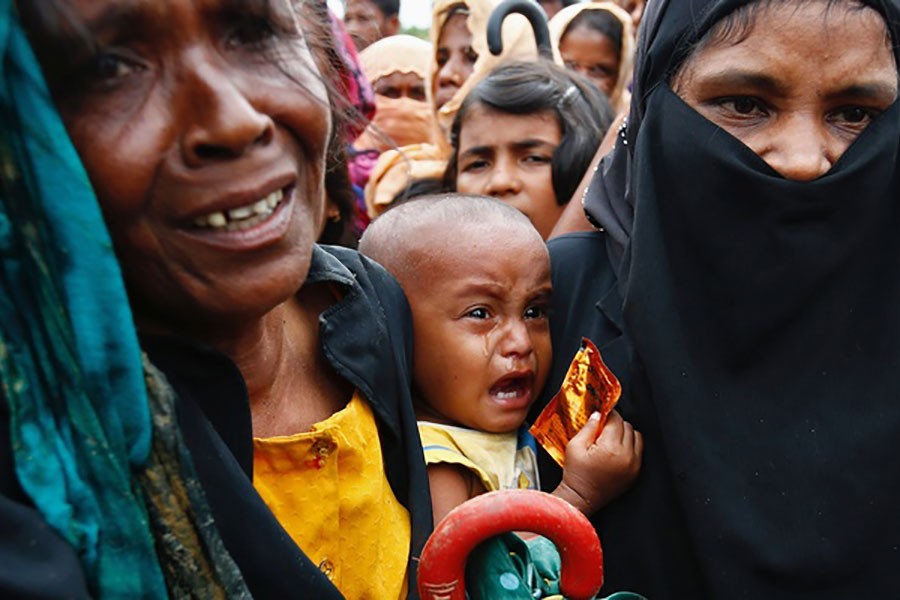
{"points": [[408, 239]]}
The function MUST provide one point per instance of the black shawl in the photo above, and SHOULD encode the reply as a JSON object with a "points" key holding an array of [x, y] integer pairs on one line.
{"points": [[765, 320]]}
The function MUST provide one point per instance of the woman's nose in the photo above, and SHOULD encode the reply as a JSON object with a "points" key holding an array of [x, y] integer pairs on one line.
{"points": [[223, 122], [801, 148], [452, 73]]}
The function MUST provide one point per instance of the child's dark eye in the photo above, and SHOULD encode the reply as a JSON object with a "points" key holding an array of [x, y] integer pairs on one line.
{"points": [[475, 165], [536, 312], [478, 313]]}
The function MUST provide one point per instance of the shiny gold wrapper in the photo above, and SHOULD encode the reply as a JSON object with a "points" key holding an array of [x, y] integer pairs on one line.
{"points": [[589, 386]]}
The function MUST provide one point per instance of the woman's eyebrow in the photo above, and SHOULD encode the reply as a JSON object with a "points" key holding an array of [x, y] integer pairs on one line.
{"points": [[125, 16], [870, 90], [744, 79]]}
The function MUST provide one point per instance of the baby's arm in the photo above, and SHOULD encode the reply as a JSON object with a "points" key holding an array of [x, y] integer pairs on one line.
{"points": [[451, 485], [598, 469]]}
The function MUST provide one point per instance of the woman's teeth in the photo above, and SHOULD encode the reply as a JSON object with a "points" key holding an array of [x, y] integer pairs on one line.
{"points": [[243, 217]]}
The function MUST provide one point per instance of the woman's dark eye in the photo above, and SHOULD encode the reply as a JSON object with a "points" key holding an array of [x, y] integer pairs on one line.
{"points": [[471, 55], [108, 67], [251, 33], [855, 114], [744, 106]]}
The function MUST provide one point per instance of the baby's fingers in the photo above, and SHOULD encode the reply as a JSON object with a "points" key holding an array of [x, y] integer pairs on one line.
{"points": [[614, 428], [588, 433]]}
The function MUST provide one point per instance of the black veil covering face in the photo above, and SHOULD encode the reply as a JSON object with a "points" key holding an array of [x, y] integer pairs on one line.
{"points": [[765, 319]]}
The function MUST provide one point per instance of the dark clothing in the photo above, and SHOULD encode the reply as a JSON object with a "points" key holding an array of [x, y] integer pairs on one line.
{"points": [[764, 341], [366, 337], [643, 539]]}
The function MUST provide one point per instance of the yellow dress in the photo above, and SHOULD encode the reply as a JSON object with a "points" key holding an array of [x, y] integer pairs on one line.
{"points": [[328, 489], [499, 460]]}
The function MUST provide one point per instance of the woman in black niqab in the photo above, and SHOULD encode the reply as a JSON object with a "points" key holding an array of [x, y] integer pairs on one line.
{"points": [[764, 315]]}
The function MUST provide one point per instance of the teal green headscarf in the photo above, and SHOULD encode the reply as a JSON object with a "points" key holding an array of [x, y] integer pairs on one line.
{"points": [[71, 370]]}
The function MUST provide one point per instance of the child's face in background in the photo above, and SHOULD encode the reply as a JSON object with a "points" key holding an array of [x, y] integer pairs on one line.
{"points": [[509, 157], [482, 337], [592, 54]]}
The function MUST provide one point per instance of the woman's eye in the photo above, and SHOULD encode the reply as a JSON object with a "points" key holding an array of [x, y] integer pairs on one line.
{"points": [[110, 67], [471, 55], [855, 115], [743, 105], [442, 57], [253, 32]]}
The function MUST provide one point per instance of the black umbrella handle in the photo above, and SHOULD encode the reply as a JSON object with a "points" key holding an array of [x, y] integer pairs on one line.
{"points": [[535, 15]]}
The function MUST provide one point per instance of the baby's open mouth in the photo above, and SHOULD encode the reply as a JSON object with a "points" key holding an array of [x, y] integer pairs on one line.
{"points": [[512, 387]]}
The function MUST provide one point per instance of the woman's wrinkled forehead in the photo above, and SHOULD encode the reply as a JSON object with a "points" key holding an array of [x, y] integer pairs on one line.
{"points": [[671, 29]]}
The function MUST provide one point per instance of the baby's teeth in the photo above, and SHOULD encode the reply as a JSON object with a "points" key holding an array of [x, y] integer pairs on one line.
{"points": [[217, 220], [262, 207], [240, 213]]}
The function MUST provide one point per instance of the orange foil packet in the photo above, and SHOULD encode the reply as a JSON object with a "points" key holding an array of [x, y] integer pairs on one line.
{"points": [[589, 386]]}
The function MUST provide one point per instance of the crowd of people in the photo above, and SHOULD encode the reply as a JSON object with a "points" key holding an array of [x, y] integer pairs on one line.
{"points": [[281, 289]]}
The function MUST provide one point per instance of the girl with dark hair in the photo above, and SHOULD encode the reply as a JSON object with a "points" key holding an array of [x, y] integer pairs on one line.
{"points": [[207, 132], [595, 39], [745, 287], [526, 134]]}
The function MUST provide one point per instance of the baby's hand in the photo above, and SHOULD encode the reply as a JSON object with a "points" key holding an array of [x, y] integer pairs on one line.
{"points": [[598, 469]]}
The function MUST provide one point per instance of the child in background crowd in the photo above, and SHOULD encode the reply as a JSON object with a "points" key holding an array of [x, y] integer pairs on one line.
{"points": [[596, 40], [397, 67], [526, 135], [368, 21], [477, 276]]}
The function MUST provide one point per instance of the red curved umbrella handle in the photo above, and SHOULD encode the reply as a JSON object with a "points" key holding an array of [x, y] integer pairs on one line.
{"points": [[443, 563]]}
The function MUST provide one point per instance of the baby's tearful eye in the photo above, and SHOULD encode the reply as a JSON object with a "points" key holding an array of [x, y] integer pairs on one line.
{"points": [[536, 312], [478, 313]]}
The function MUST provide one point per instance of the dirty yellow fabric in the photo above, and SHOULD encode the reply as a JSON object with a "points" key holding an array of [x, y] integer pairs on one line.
{"points": [[496, 458], [396, 54], [620, 98], [518, 44], [397, 121], [328, 489]]}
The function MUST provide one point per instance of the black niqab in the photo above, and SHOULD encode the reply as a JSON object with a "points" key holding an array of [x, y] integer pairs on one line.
{"points": [[765, 319]]}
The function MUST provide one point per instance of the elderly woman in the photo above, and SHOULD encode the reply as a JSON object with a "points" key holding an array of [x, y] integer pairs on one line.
{"points": [[206, 132], [749, 253]]}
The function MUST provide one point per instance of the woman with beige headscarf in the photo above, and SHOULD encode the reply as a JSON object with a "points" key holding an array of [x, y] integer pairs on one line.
{"points": [[461, 57], [596, 39], [459, 60], [397, 67]]}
